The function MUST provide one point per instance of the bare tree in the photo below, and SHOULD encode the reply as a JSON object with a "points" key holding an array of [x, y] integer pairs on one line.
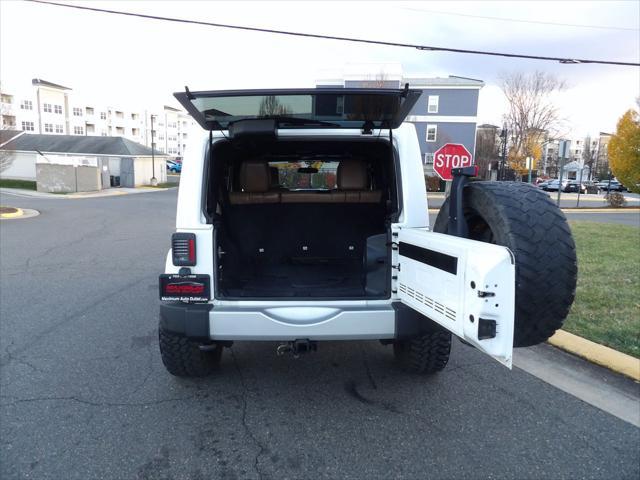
{"points": [[588, 156], [532, 115], [270, 106], [487, 150]]}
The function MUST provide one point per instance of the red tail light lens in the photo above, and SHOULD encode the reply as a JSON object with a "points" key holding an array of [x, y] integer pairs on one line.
{"points": [[183, 247]]}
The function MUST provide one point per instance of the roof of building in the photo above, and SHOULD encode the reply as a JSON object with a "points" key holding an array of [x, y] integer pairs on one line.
{"points": [[44, 83], [86, 145], [6, 135], [451, 80]]}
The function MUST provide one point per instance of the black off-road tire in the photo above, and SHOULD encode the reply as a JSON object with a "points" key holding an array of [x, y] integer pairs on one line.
{"points": [[424, 354], [524, 219], [183, 357]]}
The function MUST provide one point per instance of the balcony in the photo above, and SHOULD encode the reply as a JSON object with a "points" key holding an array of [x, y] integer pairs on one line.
{"points": [[6, 108]]}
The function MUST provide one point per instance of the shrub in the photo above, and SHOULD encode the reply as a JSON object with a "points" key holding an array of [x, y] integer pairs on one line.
{"points": [[615, 199], [433, 183]]}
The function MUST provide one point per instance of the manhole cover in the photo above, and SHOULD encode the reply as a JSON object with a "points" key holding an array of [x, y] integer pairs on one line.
{"points": [[8, 210]]}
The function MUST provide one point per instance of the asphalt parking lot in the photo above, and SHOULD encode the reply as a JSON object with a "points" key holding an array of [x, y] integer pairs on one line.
{"points": [[84, 395]]}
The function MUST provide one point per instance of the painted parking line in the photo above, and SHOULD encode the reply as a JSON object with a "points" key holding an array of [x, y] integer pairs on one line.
{"points": [[582, 210]]}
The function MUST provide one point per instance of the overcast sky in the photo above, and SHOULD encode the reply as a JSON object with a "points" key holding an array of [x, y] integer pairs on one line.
{"points": [[144, 61]]}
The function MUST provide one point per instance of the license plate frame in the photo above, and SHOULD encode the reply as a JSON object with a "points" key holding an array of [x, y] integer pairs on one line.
{"points": [[191, 288]]}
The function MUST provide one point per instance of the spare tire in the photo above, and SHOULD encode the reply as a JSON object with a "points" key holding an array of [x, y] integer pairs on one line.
{"points": [[524, 219]]}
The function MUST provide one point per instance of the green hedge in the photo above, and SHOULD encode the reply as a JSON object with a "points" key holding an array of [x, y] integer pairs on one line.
{"points": [[25, 184]]}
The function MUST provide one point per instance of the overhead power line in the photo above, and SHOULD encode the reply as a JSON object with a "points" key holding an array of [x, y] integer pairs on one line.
{"points": [[520, 20], [343, 39]]}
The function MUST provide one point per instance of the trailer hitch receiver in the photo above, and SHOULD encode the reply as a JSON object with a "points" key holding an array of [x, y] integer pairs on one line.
{"points": [[297, 348]]}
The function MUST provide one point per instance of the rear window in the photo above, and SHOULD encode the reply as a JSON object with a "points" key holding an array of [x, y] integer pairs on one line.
{"points": [[315, 175]]}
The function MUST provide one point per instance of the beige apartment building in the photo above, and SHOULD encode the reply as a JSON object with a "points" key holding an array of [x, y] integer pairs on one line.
{"points": [[48, 108]]}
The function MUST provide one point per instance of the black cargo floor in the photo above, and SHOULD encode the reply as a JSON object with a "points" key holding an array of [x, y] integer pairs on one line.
{"points": [[298, 280]]}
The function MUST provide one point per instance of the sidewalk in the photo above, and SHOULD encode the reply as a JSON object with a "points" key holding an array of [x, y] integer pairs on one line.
{"points": [[111, 192]]}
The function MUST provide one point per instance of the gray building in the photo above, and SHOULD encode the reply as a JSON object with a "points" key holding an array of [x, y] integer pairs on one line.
{"points": [[446, 112], [102, 161]]}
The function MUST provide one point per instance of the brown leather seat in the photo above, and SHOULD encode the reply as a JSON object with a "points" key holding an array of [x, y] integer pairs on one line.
{"points": [[353, 183], [255, 180]]}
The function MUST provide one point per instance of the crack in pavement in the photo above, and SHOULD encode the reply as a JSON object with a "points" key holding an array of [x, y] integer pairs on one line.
{"points": [[10, 358], [244, 416], [93, 404], [55, 326], [95, 233]]}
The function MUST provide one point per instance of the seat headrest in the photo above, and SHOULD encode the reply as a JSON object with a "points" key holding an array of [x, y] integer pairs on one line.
{"points": [[254, 176], [352, 175]]}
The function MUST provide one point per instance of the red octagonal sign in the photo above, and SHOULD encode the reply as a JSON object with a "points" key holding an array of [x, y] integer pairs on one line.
{"points": [[449, 156]]}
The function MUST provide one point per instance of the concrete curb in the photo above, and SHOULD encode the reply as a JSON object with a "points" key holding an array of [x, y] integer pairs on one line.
{"points": [[599, 354], [81, 195], [602, 210], [17, 213]]}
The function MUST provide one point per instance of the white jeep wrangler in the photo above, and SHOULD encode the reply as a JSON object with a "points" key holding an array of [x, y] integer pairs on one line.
{"points": [[302, 217]]}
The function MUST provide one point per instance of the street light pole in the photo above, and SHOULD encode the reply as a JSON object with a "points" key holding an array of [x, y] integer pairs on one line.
{"points": [[503, 135], [154, 180]]}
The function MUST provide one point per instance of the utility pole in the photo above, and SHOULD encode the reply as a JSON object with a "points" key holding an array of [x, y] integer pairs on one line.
{"points": [[154, 180], [563, 147], [503, 136]]}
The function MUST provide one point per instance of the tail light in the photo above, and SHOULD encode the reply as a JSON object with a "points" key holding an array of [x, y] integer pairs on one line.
{"points": [[183, 247]]}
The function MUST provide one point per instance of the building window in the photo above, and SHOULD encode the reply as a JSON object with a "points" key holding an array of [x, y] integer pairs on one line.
{"points": [[160, 137], [135, 132], [59, 129], [432, 103], [103, 133], [6, 98], [432, 133], [58, 109], [26, 105], [78, 130], [103, 115], [48, 127], [27, 126], [428, 158], [89, 110], [47, 107], [77, 112]]}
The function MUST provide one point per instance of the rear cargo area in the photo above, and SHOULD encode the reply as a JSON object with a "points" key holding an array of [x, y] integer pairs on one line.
{"points": [[303, 219]]}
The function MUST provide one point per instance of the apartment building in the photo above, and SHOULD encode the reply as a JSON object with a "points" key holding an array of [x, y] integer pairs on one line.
{"points": [[446, 112], [49, 108]]}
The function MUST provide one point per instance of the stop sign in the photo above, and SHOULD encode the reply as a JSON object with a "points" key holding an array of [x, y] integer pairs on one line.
{"points": [[449, 156]]}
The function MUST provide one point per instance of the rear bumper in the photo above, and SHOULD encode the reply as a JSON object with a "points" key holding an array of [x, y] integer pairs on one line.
{"points": [[283, 323]]}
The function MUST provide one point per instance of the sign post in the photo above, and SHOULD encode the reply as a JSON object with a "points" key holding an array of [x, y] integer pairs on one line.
{"points": [[563, 149], [450, 156]]}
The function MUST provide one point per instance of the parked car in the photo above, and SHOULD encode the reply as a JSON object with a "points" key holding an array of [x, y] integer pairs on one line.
{"points": [[554, 185], [309, 223], [614, 186], [174, 167], [575, 186]]}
